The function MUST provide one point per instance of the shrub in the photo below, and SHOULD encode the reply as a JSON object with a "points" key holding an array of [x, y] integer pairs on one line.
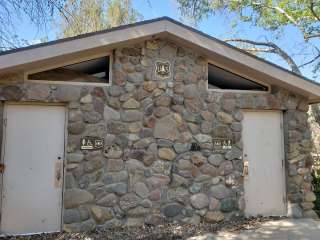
{"points": [[316, 186]]}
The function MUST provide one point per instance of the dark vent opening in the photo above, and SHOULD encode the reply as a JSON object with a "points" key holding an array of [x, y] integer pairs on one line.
{"points": [[219, 78], [95, 71]]}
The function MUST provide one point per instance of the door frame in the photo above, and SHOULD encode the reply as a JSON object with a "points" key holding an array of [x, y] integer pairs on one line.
{"points": [[2, 157], [283, 155]]}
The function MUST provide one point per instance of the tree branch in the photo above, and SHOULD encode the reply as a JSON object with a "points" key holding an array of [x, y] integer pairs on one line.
{"points": [[63, 11], [312, 36], [267, 50], [272, 48], [280, 10], [291, 19], [309, 62], [312, 60]]}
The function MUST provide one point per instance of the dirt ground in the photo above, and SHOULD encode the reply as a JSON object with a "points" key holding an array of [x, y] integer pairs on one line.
{"points": [[162, 232]]}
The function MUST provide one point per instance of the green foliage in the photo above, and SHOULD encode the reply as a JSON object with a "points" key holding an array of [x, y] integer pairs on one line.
{"points": [[316, 186], [85, 16]]}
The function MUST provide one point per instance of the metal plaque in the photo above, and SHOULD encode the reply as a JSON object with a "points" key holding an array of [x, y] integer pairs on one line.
{"points": [[222, 144], [91, 143], [162, 69]]}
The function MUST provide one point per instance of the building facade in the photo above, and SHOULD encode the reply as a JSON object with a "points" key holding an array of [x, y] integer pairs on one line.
{"points": [[158, 142]]}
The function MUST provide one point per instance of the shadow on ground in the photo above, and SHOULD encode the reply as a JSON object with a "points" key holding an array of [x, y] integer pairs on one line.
{"points": [[241, 229], [288, 229]]}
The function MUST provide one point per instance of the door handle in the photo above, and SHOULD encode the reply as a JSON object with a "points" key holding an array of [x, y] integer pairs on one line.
{"points": [[245, 172], [2, 167], [58, 174]]}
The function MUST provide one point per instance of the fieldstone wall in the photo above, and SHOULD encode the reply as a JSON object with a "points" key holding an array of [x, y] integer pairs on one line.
{"points": [[1, 129], [146, 174]]}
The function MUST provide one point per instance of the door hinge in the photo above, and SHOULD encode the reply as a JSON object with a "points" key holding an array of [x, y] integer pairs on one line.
{"points": [[5, 122]]}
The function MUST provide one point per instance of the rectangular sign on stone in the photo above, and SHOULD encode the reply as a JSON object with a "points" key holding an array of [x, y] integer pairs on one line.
{"points": [[91, 143], [221, 144], [162, 69]]}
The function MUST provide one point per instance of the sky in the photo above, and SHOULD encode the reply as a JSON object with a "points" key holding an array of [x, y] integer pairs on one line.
{"points": [[218, 26]]}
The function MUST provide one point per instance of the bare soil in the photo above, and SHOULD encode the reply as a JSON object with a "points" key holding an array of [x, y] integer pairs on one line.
{"points": [[161, 232]]}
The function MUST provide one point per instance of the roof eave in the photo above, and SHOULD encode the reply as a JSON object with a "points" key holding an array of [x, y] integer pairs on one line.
{"points": [[227, 55]]}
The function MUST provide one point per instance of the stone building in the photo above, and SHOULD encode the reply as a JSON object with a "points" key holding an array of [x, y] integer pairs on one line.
{"points": [[149, 123]]}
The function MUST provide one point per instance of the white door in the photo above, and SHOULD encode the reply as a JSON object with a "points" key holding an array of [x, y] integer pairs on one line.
{"points": [[264, 181], [32, 179]]}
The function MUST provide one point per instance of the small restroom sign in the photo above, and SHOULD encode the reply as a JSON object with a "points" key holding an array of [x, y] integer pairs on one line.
{"points": [[91, 143], [222, 144]]}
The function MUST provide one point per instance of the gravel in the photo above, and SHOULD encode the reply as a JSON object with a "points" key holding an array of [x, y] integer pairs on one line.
{"points": [[161, 232]]}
